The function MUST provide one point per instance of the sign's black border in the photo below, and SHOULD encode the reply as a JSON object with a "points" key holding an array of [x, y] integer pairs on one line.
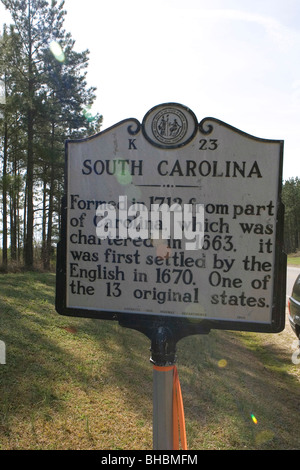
{"points": [[181, 327]]}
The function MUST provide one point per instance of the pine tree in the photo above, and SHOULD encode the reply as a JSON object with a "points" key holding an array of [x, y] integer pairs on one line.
{"points": [[4, 133], [29, 22], [10, 130], [66, 97], [51, 79], [291, 200]]}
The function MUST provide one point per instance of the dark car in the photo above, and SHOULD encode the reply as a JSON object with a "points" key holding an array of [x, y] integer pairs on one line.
{"points": [[294, 307]]}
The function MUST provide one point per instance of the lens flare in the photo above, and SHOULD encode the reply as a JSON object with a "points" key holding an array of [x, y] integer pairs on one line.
{"points": [[57, 51], [88, 114], [254, 419], [222, 363], [263, 437], [195, 309], [133, 193], [163, 251], [124, 178]]}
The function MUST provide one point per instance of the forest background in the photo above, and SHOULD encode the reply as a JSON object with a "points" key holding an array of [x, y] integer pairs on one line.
{"points": [[45, 100]]}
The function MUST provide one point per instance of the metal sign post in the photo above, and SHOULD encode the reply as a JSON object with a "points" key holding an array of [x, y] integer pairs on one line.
{"points": [[173, 227], [163, 351], [163, 410]]}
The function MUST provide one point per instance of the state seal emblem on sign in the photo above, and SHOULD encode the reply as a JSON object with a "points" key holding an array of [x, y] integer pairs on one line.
{"points": [[170, 125]]}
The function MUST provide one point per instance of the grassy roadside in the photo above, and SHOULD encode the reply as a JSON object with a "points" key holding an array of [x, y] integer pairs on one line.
{"points": [[294, 259], [87, 384]]}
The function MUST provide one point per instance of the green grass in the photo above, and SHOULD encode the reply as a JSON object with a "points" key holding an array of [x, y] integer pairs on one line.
{"points": [[86, 384], [295, 260]]}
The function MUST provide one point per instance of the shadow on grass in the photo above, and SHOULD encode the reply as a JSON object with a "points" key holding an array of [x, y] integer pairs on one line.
{"points": [[53, 360], [247, 400], [85, 383]]}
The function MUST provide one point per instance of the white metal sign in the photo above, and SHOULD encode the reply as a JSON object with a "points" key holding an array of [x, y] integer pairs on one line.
{"points": [[174, 218]]}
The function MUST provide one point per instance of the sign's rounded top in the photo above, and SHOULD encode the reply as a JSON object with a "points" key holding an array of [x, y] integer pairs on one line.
{"points": [[170, 125]]}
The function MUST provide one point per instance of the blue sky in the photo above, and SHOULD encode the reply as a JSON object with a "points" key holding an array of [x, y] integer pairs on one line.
{"points": [[234, 60]]}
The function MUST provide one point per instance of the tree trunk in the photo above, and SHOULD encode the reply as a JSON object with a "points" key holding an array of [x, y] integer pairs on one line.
{"points": [[13, 212], [51, 197], [44, 221], [28, 247], [4, 245]]}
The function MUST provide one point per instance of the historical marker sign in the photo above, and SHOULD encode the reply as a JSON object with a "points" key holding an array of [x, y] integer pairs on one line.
{"points": [[173, 178]]}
